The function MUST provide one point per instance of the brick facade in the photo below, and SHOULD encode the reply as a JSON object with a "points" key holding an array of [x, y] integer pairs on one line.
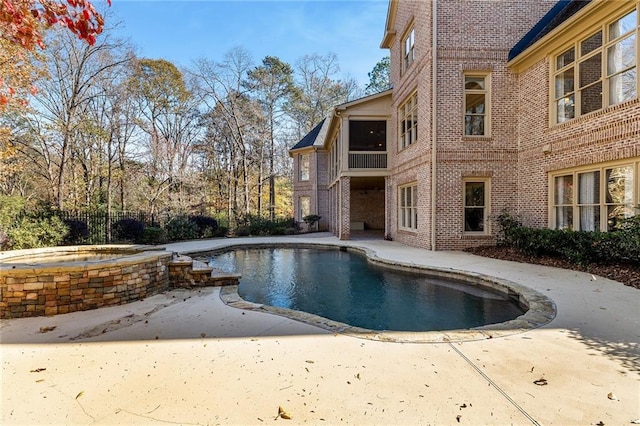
{"points": [[522, 147]]}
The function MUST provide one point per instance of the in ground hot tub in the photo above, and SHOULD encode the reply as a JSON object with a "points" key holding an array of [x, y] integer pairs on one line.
{"points": [[58, 280]]}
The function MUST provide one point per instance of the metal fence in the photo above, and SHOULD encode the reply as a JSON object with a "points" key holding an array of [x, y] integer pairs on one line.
{"points": [[100, 225]]}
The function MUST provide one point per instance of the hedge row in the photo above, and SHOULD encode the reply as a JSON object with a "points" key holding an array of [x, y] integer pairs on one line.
{"points": [[619, 246]]}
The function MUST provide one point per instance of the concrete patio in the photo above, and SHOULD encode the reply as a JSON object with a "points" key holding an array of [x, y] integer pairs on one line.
{"points": [[184, 357]]}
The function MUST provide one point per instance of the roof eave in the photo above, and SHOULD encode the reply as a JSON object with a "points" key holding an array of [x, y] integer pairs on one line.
{"points": [[390, 32]]}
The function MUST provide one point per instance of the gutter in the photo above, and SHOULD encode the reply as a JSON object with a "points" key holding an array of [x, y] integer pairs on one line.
{"points": [[434, 117]]}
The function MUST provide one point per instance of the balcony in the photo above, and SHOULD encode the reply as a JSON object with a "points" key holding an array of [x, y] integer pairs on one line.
{"points": [[367, 160]]}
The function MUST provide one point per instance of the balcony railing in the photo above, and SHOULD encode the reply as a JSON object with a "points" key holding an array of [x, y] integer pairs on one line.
{"points": [[367, 160]]}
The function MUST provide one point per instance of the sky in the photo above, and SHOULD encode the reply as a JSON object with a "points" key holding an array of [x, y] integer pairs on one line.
{"points": [[182, 31]]}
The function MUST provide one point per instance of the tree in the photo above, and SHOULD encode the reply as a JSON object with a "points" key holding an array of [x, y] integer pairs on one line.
{"points": [[379, 78], [317, 91], [272, 83], [169, 116], [21, 30], [21, 21]]}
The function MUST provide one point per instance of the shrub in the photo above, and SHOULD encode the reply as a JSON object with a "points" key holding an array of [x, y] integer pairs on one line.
{"points": [[127, 230], [181, 228], [311, 220], [36, 232], [77, 233], [154, 235], [242, 231], [222, 231], [206, 226], [581, 247], [290, 231]]}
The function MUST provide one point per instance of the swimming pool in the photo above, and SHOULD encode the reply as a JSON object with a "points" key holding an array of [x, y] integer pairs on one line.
{"points": [[344, 287]]}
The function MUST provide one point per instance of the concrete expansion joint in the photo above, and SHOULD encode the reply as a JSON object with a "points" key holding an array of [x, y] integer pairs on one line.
{"points": [[493, 384]]}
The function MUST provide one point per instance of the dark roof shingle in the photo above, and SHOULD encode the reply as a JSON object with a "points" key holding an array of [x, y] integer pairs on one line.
{"points": [[309, 138], [559, 13]]}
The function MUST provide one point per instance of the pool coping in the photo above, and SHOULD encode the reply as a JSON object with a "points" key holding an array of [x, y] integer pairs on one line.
{"points": [[541, 309]]}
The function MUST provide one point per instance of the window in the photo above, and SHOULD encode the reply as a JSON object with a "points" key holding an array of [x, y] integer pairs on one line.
{"points": [[408, 54], [476, 105], [305, 207], [304, 167], [600, 197], [367, 135], [597, 71], [408, 119], [408, 207], [476, 206]]}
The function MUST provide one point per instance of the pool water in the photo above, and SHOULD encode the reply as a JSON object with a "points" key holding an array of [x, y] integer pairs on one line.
{"points": [[343, 286]]}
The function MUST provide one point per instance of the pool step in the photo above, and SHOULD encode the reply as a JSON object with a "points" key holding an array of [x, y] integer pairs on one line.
{"points": [[185, 272]]}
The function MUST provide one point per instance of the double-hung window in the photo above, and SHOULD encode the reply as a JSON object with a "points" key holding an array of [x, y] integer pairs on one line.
{"points": [[408, 119], [304, 207], [595, 198], [408, 207], [598, 70], [408, 53], [304, 167], [476, 205], [476, 105]]}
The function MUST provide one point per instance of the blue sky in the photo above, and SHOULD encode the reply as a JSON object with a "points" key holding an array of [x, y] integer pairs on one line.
{"points": [[185, 30]]}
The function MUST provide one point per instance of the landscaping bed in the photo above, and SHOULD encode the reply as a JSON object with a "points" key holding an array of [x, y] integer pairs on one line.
{"points": [[625, 273]]}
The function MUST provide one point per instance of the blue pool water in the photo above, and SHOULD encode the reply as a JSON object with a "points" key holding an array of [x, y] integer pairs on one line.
{"points": [[344, 287]]}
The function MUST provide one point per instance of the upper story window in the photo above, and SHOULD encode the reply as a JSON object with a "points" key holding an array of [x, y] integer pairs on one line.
{"points": [[408, 53], [304, 167], [476, 105], [598, 70], [408, 120], [595, 198]]}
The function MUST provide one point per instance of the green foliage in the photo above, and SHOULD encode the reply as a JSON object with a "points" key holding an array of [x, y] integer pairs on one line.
{"points": [[78, 232], [263, 226], [154, 235], [222, 231], [181, 228], [242, 231], [127, 230], [379, 77], [36, 232], [206, 226], [11, 207], [581, 247], [311, 220]]}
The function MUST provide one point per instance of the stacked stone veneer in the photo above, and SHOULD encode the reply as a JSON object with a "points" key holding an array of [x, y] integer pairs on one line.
{"points": [[59, 288]]}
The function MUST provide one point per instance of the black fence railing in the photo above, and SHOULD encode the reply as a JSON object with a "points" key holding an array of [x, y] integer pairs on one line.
{"points": [[100, 225]]}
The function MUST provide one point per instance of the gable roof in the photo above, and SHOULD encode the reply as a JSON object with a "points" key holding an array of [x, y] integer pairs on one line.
{"points": [[309, 139], [558, 14]]}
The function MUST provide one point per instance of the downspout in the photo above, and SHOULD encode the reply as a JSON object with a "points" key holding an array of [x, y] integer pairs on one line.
{"points": [[434, 117], [317, 186]]}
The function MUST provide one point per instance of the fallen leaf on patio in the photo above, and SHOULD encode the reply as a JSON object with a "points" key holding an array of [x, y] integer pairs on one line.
{"points": [[47, 329], [79, 394], [463, 406], [309, 361], [600, 423], [458, 417], [612, 396], [635, 422], [39, 380], [531, 370], [283, 414], [37, 370], [541, 382]]}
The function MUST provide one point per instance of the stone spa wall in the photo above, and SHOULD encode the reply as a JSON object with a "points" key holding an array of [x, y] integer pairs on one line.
{"points": [[32, 289]]}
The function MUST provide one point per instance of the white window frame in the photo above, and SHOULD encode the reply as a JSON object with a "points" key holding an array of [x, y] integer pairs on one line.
{"points": [[408, 121], [408, 48], [305, 161], [408, 207], [486, 206], [486, 92], [579, 207], [304, 206], [566, 64]]}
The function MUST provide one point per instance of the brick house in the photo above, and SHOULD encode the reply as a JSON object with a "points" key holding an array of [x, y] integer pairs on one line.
{"points": [[529, 107]]}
